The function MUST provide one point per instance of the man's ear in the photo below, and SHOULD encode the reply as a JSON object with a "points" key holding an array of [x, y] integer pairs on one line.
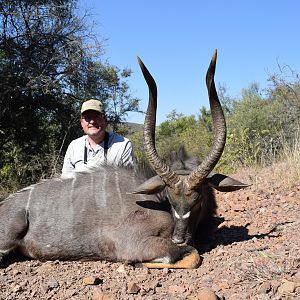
{"points": [[151, 186]]}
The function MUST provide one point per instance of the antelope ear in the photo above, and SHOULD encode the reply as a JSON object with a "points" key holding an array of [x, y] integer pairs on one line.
{"points": [[225, 183], [153, 185]]}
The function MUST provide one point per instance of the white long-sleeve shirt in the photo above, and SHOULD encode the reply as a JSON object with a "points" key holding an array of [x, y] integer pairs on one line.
{"points": [[119, 153]]}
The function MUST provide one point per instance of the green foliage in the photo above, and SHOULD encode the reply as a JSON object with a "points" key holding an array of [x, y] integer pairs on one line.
{"points": [[258, 129], [178, 129], [254, 130], [245, 147], [50, 62], [137, 139], [286, 90], [171, 133]]}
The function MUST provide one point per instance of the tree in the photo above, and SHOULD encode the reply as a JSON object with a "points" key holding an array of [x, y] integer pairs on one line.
{"points": [[285, 88], [120, 100], [49, 63], [254, 129]]}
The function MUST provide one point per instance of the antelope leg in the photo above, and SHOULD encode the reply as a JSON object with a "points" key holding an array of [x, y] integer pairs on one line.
{"points": [[191, 261]]}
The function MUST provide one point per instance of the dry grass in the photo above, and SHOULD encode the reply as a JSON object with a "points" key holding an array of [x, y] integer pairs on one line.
{"points": [[283, 171], [291, 157], [265, 265]]}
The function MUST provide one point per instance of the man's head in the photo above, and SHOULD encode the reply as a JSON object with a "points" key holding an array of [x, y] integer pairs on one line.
{"points": [[93, 119]]}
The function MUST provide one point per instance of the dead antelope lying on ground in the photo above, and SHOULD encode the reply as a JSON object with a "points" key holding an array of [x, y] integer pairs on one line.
{"points": [[108, 215]]}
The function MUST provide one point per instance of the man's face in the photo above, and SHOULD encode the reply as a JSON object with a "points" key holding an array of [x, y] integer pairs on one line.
{"points": [[93, 123]]}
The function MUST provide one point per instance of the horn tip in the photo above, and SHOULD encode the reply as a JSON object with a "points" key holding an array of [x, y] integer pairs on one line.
{"points": [[214, 58], [140, 61]]}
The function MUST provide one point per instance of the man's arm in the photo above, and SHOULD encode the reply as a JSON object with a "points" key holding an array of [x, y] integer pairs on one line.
{"points": [[68, 168]]}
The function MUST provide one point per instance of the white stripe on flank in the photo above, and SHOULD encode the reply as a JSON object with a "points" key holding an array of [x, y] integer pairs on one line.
{"points": [[72, 188], [102, 189], [6, 251], [93, 185], [28, 202], [118, 190]]}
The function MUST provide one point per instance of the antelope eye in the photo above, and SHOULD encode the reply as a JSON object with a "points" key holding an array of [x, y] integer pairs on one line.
{"points": [[194, 197]]}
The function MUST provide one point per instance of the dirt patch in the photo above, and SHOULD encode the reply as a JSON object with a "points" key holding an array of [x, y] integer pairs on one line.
{"points": [[254, 254]]}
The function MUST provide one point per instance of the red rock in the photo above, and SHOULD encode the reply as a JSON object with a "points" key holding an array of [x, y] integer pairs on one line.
{"points": [[91, 280], [224, 285], [132, 288], [207, 294], [287, 287], [99, 295]]}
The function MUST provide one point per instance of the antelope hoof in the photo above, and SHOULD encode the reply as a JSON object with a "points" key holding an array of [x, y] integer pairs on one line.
{"points": [[191, 261]]}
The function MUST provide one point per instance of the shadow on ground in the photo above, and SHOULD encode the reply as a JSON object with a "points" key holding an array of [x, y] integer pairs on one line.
{"points": [[229, 235]]}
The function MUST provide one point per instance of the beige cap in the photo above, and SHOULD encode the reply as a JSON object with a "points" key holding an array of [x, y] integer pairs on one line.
{"points": [[92, 104]]}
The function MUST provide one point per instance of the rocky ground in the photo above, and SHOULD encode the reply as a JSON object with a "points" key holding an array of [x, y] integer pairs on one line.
{"points": [[254, 254]]}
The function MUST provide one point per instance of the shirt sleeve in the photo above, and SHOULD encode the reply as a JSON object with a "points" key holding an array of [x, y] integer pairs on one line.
{"points": [[68, 168]]}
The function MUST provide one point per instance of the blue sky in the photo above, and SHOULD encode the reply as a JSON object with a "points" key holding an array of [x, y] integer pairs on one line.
{"points": [[176, 39]]}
